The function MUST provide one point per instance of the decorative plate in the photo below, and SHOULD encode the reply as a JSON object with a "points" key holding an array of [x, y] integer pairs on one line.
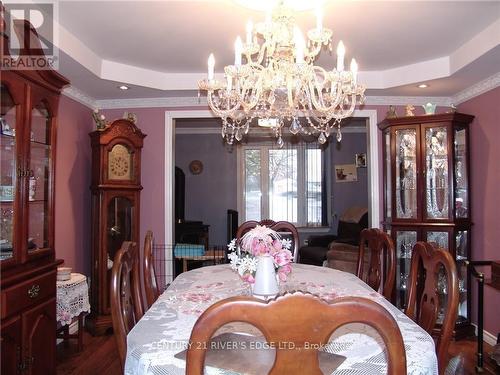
{"points": [[196, 167]]}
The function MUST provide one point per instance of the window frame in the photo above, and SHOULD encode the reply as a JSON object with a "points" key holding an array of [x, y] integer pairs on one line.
{"points": [[264, 148]]}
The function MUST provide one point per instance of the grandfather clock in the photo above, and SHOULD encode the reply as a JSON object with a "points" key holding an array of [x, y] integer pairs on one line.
{"points": [[116, 188]]}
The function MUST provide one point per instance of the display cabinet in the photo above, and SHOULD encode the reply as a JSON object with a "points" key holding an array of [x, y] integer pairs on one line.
{"points": [[427, 196], [116, 187], [28, 117]]}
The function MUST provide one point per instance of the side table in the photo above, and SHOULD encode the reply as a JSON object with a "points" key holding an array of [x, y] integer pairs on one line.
{"points": [[72, 302]]}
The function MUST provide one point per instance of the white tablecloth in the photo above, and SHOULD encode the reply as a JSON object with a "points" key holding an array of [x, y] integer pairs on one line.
{"points": [[72, 298], [165, 328]]}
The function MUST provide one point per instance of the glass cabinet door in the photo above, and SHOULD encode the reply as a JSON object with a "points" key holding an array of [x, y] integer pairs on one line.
{"points": [[8, 177], [461, 255], [405, 240], [461, 174], [436, 173], [388, 174], [406, 173], [39, 178]]}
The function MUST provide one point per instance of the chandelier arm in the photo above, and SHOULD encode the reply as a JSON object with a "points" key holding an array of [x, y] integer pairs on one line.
{"points": [[219, 111]]}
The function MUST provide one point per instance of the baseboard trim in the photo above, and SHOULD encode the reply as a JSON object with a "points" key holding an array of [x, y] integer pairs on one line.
{"points": [[487, 336]]}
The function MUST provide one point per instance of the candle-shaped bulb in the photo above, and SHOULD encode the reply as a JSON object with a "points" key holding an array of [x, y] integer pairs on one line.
{"points": [[238, 49], [299, 45], [319, 17], [249, 31], [268, 15], [211, 65], [340, 56], [229, 83], [354, 70]]}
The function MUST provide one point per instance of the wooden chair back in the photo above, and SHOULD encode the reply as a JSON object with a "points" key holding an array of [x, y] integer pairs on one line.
{"points": [[278, 226], [379, 243], [423, 300], [150, 286], [126, 301], [279, 321]]}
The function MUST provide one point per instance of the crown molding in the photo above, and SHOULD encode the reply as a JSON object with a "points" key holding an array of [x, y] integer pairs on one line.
{"points": [[479, 88], [185, 101], [201, 102], [442, 101], [80, 96], [217, 130]]}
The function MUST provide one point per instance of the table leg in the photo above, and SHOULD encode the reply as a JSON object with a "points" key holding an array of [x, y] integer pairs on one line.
{"points": [[66, 335], [184, 265], [80, 332]]}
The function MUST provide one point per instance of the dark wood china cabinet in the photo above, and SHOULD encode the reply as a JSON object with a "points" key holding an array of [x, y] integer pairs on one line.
{"points": [[116, 188], [28, 116], [427, 196]]}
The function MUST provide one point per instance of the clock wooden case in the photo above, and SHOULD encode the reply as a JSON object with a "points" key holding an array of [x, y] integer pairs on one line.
{"points": [[116, 187]]}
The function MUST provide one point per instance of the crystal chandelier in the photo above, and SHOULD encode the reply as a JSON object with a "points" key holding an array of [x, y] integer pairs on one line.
{"points": [[279, 82]]}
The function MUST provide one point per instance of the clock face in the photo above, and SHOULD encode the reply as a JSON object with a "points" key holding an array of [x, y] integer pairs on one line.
{"points": [[119, 163]]}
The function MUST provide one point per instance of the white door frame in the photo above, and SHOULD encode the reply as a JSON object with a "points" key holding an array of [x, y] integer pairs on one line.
{"points": [[171, 116]]}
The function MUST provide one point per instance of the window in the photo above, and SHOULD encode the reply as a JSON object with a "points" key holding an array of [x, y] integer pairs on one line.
{"points": [[284, 184]]}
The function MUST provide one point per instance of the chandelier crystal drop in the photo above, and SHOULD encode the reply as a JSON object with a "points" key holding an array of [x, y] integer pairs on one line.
{"points": [[279, 82]]}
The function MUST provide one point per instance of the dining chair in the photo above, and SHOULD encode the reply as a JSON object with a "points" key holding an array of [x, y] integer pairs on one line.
{"points": [[148, 269], [304, 333], [279, 226], [423, 306], [378, 242], [125, 295]]}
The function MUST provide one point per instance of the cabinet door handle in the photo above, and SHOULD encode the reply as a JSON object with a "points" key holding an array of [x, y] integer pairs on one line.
{"points": [[34, 291]]}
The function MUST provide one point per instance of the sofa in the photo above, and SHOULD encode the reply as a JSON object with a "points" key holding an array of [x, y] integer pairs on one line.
{"points": [[351, 223]]}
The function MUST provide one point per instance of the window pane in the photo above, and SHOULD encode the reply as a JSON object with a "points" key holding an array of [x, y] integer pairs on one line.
{"points": [[252, 185], [283, 185], [313, 186]]}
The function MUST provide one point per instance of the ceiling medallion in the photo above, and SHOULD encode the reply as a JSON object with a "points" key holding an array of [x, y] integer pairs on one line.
{"points": [[280, 82]]}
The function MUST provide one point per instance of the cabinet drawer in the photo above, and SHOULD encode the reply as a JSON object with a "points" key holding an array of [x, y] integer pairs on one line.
{"points": [[29, 292]]}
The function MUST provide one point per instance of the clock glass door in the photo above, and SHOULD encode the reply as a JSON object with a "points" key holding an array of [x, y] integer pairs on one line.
{"points": [[120, 214], [8, 172], [39, 178]]}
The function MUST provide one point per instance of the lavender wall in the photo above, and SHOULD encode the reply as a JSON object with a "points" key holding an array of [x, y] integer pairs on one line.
{"points": [[211, 193], [348, 194], [485, 177], [72, 205]]}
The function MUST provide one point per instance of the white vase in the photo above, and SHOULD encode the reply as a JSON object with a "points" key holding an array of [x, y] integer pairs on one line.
{"points": [[265, 285]]}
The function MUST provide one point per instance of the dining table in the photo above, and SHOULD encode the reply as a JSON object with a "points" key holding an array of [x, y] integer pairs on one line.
{"points": [[158, 342]]}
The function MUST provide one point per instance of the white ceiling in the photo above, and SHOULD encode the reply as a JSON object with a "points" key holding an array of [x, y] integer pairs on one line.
{"points": [[160, 48]]}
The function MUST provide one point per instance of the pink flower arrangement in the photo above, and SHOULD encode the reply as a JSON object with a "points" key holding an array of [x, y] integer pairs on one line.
{"points": [[260, 241]]}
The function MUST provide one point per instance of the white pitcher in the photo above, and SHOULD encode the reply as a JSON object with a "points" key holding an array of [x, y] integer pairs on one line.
{"points": [[265, 285]]}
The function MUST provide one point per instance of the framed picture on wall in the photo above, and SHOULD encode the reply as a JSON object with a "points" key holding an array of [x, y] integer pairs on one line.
{"points": [[361, 160], [346, 173]]}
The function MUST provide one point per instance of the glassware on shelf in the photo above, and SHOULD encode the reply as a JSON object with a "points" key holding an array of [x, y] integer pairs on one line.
{"points": [[440, 238], [403, 280], [461, 245], [442, 285], [436, 160], [406, 172], [461, 174]]}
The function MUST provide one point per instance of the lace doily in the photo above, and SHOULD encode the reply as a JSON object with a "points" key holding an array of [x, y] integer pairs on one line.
{"points": [[72, 298]]}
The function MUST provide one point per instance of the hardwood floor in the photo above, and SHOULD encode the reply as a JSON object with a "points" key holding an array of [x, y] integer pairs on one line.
{"points": [[100, 356]]}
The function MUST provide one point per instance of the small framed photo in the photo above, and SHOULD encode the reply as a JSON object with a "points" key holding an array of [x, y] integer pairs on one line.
{"points": [[345, 173], [361, 160]]}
